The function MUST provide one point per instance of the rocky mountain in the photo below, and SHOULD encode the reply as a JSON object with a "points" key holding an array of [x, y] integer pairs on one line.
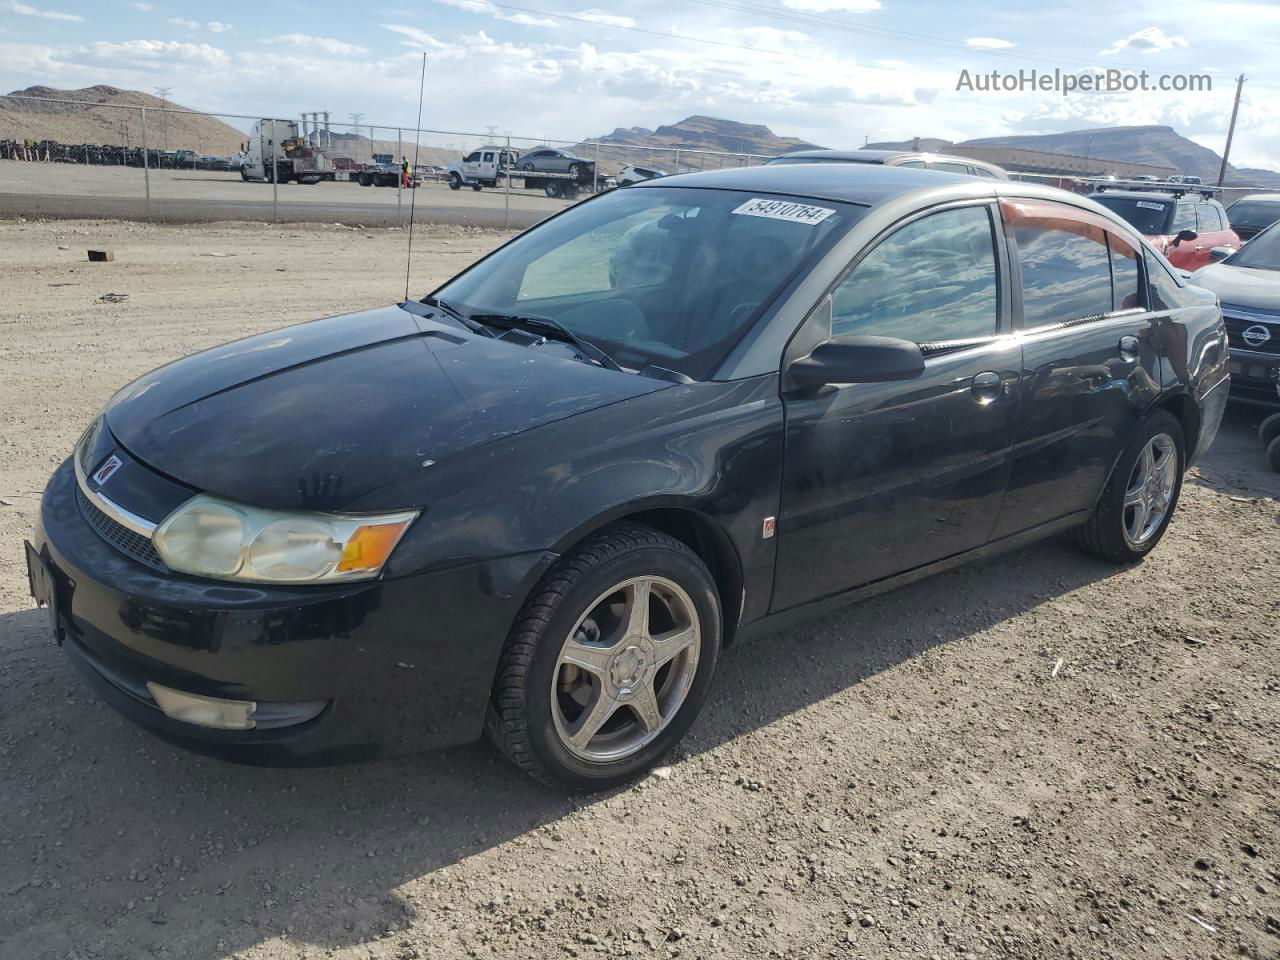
{"points": [[103, 124], [1141, 144], [693, 133]]}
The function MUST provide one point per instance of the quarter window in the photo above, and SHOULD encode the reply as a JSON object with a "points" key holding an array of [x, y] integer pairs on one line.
{"points": [[952, 167], [932, 281], [1066, 270]]}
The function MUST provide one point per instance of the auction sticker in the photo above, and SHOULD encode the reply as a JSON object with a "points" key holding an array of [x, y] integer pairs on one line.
{"points": [[784, 210], [1148, 205]]}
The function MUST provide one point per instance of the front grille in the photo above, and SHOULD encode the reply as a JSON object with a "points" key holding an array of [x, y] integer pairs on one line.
{"points": [[1237, 325], [131, 544]]}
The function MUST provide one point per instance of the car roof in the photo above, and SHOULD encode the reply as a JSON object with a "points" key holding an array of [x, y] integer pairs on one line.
{"points": [[1268, 197], [865, 184], [848, 156]]}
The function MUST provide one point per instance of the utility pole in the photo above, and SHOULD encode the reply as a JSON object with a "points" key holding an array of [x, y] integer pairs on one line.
{"points": [[163, 93], [1231, 130]]}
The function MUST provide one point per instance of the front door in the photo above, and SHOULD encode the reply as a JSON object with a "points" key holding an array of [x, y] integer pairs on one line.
{"points": [[880, 478]]}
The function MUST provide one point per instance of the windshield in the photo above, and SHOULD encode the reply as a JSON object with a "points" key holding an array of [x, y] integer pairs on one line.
{"points": [[663, 276], [1149, 217], [1260, 253], [1253, 214]]}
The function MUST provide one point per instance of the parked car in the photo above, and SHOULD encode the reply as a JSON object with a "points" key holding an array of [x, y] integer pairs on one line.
{"points": [[1183, 226], [553, 160], [1247, 281], [631, 173], [897, 158], [540, 501], [1250, 215], [1187, 179]]}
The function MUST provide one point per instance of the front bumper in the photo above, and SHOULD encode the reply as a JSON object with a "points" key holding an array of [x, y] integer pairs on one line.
{"points": [[1255, 376], [342, 672]]}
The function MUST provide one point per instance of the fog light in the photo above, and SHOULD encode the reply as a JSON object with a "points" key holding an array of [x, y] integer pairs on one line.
{"points": [[204, 711]]}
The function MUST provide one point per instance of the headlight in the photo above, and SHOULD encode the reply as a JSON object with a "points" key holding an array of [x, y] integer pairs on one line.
{"points": [[229, 541]]}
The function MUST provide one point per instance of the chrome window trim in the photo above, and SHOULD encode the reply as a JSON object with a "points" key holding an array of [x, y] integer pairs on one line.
{"points": [[126, 519], [1070, 324]]}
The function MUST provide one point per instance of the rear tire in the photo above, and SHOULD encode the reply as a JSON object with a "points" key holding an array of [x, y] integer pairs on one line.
{"points": [[552, 189], [1141, 495], [590, 692], [1269, 429], [1273, 454]]}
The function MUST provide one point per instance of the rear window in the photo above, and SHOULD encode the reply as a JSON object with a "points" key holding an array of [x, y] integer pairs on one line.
{"points": [[1149, 217]]}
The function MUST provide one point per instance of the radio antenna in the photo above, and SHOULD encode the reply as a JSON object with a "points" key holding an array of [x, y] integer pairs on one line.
{"points": [[413, 193]]}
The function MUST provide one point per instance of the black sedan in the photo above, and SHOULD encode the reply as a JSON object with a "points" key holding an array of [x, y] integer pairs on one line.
{"points": [[541, 501]]}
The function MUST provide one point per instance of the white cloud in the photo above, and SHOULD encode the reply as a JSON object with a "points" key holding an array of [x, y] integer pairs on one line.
{"points": [[324, 44], [213, 26], [1147, 40], [151, 54], [988, 43], [827, 6], [417, 38], [608, 19], [144, 7], [25, 10]]}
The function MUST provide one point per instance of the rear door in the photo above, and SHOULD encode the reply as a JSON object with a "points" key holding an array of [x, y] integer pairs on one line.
{"points": [[1212, 226], [880, 478], [1090, 359]]}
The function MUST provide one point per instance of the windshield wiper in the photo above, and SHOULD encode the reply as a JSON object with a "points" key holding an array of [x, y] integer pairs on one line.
{"points": [[545, 325], [457, 315]]}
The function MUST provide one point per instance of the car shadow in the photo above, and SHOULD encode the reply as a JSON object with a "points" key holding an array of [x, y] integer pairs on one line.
{"points": [[175, 844]]}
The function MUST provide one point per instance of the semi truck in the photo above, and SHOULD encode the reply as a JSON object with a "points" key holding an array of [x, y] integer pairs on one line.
{"points": [[294, 158]]}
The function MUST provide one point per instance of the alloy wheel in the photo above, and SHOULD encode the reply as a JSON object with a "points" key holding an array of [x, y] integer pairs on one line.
{"points": [[1149, 493], [625, 669]]}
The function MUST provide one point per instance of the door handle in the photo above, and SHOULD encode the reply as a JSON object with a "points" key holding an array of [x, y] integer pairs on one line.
{"points": [[1129, 348], [986, 387]]}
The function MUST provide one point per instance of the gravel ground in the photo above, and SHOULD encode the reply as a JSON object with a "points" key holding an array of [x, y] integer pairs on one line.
{"points": [[907, 778]]}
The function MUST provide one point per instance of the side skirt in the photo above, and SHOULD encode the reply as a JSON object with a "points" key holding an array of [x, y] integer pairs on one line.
{"points": [[774, 622]]}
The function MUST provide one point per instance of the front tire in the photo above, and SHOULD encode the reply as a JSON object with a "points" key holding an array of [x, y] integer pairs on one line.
{"points": [[1140, 497], [609, 661]]}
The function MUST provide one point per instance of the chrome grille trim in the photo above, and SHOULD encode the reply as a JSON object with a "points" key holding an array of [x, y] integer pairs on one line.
{"points": [[113, 511]]}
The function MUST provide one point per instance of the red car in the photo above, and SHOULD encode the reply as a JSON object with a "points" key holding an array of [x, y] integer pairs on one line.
{"points": [[1185, 227]]}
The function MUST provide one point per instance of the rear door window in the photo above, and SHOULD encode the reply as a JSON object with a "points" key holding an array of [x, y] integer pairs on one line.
{"points": [[1065, 262], [1207, 218]]}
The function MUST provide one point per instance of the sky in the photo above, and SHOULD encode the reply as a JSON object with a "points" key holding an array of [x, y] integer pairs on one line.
{"points": [[834, 72]]}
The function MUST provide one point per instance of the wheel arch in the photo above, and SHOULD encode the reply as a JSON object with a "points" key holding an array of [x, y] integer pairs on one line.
{"points": [[695, 530], [1183, 406]]}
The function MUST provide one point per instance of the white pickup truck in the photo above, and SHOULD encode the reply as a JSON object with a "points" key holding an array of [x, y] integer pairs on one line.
{"points": [[487, 166]]}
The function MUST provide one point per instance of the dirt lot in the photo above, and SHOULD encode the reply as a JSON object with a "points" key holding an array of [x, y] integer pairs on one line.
{"points": [[61, 189], [906, 778]]}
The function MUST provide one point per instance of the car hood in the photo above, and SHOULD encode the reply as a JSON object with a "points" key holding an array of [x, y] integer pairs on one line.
{"points": [[1242, 286], [318, 415]]}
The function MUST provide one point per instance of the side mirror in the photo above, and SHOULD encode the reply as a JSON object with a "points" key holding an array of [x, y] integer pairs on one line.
{"points": [[858, 360], [1185, 235], [1219, 253]]}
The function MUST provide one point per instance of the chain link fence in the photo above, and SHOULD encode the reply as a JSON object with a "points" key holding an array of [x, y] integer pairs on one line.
{"points": [[80, 159]]}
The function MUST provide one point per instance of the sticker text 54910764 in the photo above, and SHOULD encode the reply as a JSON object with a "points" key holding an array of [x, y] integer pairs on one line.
{"points": [[784, 210]]}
